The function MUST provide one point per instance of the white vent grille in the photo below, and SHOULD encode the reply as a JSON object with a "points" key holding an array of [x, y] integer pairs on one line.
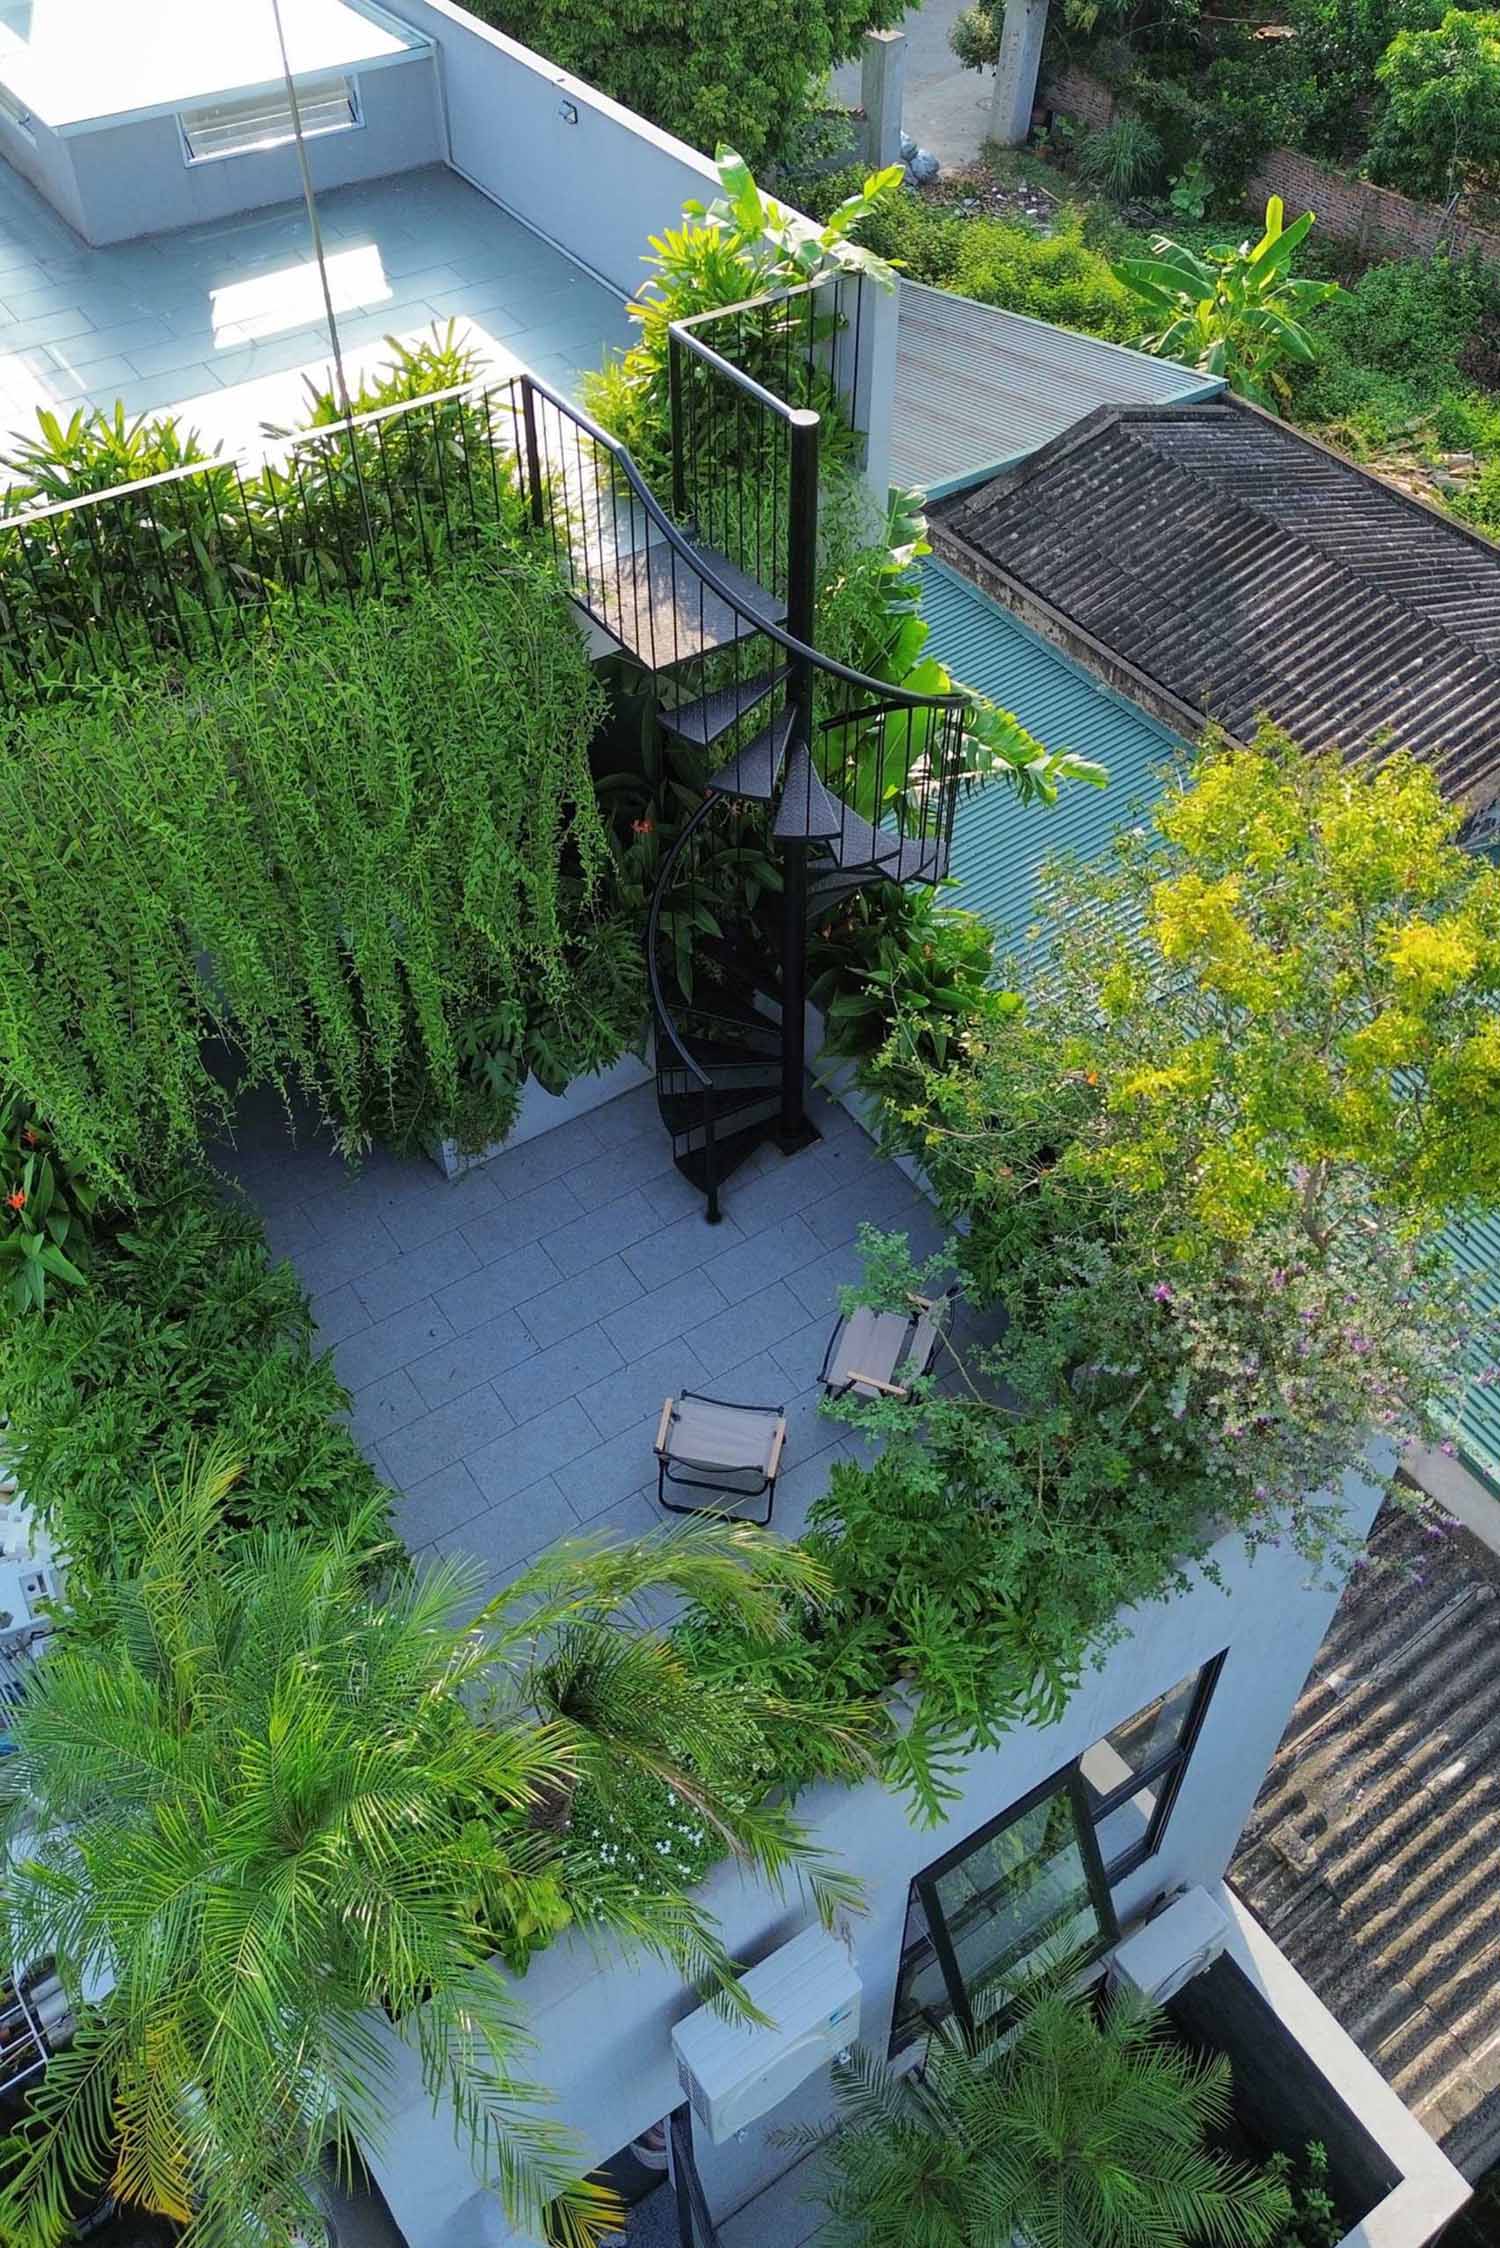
{"points": [[260, 121]]}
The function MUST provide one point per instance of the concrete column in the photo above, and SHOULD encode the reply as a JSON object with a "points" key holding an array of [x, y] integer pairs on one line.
{"points": [[1016, 71], [882, 84]]}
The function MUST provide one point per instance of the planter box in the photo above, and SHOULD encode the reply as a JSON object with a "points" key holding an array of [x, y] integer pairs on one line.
{"points": [[541, 1111], [1299, 2076]]}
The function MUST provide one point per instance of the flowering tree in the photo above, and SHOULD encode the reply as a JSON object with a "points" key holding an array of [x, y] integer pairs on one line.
{"points": [[1206, 1160]]}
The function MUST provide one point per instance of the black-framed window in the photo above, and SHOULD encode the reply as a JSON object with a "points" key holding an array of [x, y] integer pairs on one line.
{"points": [[1132, 1776], [1028, 1884]]}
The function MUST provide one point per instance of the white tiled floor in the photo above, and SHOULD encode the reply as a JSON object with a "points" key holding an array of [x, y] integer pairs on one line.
{"points": [[220, 322]]}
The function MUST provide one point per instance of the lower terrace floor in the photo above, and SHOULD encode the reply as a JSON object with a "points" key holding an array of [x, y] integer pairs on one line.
{"points": [[221, 323], [508, 1338]]}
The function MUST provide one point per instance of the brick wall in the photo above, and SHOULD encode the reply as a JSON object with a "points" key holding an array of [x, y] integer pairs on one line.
{"points": [[1376, 218]]}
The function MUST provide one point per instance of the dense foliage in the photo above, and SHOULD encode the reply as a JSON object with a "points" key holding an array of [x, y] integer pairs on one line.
{"points": [[1236, 309], [277, 1788], [183, 1332], [368, 856], [221, 553], [743, 71], [1082, 2126], [1205, 1164]]}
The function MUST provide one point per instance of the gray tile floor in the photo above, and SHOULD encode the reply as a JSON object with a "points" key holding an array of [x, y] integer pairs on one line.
{"points": [[221, 321], [509, 1338]]}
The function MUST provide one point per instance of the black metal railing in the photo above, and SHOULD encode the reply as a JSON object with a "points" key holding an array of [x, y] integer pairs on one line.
{"points": [[179, 566], [739, 378]]}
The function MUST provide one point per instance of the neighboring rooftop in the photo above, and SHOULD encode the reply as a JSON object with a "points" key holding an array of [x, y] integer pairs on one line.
{"points": [[1370, 1854], [978, 388], [1219, 565], [72, 62], [220, 321], [1000, 847]]}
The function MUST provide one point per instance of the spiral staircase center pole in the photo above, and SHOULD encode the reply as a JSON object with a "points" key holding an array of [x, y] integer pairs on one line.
{"points": [[801, 617]]}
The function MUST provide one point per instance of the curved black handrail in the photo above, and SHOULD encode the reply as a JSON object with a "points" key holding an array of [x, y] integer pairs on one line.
{"points": [[664, 1016], [960, 699]]}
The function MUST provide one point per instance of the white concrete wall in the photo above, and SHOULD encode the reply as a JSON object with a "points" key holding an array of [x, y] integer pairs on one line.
{"points": [[130, 179], [597, 188], [603, 2023], [43, 157]]}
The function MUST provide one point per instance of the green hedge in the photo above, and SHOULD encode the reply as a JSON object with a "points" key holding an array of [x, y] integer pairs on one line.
{"points": [[183, 1334], [369, 857]]}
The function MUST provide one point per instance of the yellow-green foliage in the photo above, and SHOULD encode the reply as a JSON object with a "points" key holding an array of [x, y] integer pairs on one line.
{"points": [[330, 850], [1332, 957]]}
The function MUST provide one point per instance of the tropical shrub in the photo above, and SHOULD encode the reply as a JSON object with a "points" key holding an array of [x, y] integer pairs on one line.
{"points": [[277, 1789], [747, 73], [208, 556], [1205, 1163], [184, 1330], [1084, 2126], [47, 1211], [742, 245], [1440, 128], [1122, 158], [1234, 311], [334, 851]]}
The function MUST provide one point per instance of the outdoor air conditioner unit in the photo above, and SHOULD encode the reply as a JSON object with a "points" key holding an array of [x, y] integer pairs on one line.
{"points": [[734, 2072], [1170, 1950]]}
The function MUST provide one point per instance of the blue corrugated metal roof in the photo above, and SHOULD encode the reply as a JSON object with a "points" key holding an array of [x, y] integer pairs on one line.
{"points": [[979, 388], [1000, 848]]}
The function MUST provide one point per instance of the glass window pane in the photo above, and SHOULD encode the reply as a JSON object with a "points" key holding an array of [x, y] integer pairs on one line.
{"points": [[1127, 1826], [1137, 1744], [1023, 1890], [232, 128]]}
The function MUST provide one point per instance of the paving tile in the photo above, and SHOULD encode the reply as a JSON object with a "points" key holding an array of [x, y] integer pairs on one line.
{"points": [[801, 1355], [49, 327], [414, 1273], [288, 1229], [463, 1362], [817, 1286], [682, 1245], [751, 1325], [424, 1444], [677, 1309], [546, 1445], [384, 1407], [602, 1233], [337, 1313], [561, 1310], [437, 1504], [517, 1527], [623, 1398], [554, 1153], [629, 1116], [516, 1220], [672, 1196], [629, 1162], [883, 1198], [758, 1199], [413, 1201], [541, 1383], [606, 1474], [771, 1254], [513, 1277], [325, 1264], [380, 1348]]}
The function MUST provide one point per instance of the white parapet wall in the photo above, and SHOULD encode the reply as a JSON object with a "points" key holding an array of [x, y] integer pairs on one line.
{"points": [[603, 2023], [591, 175]]}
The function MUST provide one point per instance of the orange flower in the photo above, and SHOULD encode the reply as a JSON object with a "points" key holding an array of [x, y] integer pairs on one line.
{"points": [[16, 1199]]}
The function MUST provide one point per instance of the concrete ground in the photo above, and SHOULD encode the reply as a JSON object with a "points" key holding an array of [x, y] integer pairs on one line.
{"points": [[946, 108], [509, 1338], [221, 322]]}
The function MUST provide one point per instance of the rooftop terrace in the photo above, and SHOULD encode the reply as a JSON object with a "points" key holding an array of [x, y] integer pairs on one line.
{"points": [[509, 1338], [220, 322]]}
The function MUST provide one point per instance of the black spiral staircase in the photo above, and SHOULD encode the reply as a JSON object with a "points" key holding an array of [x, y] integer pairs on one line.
{"points": [[814, 780]]}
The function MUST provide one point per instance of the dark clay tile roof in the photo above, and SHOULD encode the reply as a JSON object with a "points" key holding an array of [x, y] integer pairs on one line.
{"points": [[1242, 569]]}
